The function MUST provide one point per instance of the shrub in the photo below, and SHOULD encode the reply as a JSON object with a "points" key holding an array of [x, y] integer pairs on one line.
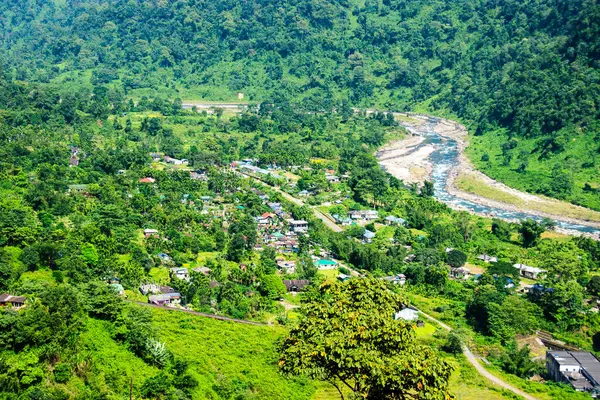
{"points": [[62, 373]]}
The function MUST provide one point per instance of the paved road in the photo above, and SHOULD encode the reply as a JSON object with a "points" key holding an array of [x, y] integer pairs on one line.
{"points": [[475, 362], [326, 220]]}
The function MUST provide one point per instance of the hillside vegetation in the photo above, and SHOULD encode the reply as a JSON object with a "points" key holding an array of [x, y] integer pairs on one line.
{"points": [[526, 70]]}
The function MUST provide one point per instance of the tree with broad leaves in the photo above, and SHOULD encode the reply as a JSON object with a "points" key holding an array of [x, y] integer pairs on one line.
{"points": [[348, 337], [530, 231]]}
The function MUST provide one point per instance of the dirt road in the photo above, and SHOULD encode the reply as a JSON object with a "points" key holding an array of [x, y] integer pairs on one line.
{"points": [[475, 362], [213, 316]]}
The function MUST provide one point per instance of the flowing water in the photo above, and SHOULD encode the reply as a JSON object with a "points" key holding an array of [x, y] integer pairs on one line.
{"points": [[445, 157]]}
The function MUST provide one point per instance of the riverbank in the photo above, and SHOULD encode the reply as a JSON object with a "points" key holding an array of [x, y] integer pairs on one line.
{"points": [[408, 159], [464, 182]]}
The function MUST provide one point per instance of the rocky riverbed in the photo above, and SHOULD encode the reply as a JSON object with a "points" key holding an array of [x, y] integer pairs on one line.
{"points": [[435, 151]]}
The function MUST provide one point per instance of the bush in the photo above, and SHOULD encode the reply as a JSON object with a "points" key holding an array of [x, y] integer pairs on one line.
{"points": [[344, 270], [456, 258], [453, 344], [62, 373]]}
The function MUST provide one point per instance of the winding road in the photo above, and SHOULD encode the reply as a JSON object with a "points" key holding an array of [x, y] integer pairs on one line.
{"points": [[475, 362], [326, 220]]}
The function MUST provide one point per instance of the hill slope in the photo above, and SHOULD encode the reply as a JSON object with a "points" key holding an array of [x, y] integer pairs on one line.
{"points": [[528, 69]]}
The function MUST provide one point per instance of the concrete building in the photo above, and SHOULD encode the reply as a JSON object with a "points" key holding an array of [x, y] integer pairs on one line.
{"points": [[529, 272], [299, 225], [407, 314], [580, 369]]}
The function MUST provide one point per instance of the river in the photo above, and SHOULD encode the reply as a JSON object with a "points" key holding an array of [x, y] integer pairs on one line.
{"points": [[443, 160], [446, 157]]}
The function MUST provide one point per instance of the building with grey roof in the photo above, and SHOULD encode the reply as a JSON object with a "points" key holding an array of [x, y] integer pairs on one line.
{"points": [[580, 369]]}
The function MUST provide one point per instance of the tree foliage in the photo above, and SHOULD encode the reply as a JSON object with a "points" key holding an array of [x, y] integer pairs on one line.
{"points": [[348, 337]]}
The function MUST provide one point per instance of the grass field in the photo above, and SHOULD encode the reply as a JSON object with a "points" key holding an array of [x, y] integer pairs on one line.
{"points": [[229, 356], [110, 360], [330, 274], [242, 360]]}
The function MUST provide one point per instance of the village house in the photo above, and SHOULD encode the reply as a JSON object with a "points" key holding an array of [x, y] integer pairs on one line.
{"points": [[148, 233], [8, 300], [487, 259], [332, 178], [73, 161], [180, 273], [459, 273], [344, 221], [202, 270], [579, 369], [296, 285], [156, 157], [147, 180], [368, 236], [407, 314], [251, 169], [298, 225], [365, 215], [343, 277], [165, 299], [198, 176], [399, 279], [164, 257], [175, 161], [150, 288], [287, 266], [325, 264], [529, 272], [391, 220], [118, 288], [81, 189], [265, 219]]}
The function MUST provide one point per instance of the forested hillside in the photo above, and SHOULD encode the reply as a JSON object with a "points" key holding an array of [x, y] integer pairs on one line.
{"points": [[528, 67]]}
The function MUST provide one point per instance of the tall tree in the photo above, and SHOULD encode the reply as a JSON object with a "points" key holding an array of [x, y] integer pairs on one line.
{"points": [[347, 336]]}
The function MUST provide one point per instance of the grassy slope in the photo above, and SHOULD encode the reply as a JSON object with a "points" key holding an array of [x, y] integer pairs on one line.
{"points": [[114, 363], [230, 354], [580, 149], [473, 184]]}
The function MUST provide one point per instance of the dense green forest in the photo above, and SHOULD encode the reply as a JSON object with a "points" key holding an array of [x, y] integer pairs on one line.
{"points": [[524, 70]]}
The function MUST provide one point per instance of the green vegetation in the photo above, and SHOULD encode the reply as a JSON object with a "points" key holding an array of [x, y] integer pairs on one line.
{"points": [[107, 184], [472, 184], [229, 359], [522, 74], [347, 336]]}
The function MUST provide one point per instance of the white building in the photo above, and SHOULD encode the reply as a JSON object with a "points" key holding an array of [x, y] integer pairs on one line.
{"points": [[407, 314], [299, 225]]}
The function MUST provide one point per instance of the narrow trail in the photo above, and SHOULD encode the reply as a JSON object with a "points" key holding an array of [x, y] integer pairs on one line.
{"points": [[475, 363], [213, 316]]}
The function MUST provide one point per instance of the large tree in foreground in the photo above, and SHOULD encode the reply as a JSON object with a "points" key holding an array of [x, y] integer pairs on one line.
{"points": [[347, 336]]}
